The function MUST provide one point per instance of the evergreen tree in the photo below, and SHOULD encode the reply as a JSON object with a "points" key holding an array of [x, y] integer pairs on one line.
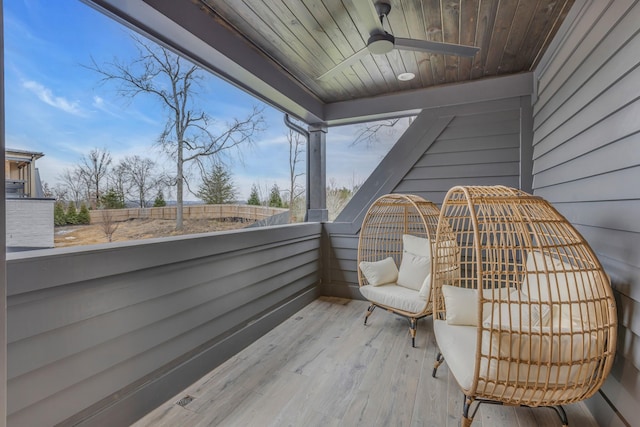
{"points": [[254, 197], [59, 217], [112, 199], [72, 215], [275, 201], [159, 201], [83, 215], [217, 187]]}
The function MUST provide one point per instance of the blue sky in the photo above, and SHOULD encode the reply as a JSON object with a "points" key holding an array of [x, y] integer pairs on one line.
{"points": [[56, 106]]}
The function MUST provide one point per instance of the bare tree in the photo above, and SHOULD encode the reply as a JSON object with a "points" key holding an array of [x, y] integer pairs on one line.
{"points": [[47, 191], [189, 134], [338, 197], [118, 180], [264, 190], [373, 132], [140, 177], [94, 167], [85, 179], [108, 224], [296, 149], [75, 183], [60, 192]]}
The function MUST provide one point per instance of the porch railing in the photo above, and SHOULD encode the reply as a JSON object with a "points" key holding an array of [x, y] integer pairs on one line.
{"points": [[100, 335]]}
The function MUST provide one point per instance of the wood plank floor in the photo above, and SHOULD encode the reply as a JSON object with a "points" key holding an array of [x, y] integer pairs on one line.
{"points": [[323, 367]]}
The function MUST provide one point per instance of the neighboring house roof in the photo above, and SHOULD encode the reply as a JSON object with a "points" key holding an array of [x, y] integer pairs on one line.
{"points": [[21, 155]]}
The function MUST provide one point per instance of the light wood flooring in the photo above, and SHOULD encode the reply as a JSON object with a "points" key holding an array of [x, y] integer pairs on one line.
{"points": [[323, 367]]}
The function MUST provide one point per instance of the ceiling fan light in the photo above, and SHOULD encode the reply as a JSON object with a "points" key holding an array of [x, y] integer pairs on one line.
{"points": [[404, 77]]}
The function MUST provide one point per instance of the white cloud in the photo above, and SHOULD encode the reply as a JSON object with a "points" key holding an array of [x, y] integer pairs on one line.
{"points": [[46, 95], [102, 105]]}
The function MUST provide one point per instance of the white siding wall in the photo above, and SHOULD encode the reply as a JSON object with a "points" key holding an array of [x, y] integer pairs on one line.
{"points": [[587, 163], [29, 223]]}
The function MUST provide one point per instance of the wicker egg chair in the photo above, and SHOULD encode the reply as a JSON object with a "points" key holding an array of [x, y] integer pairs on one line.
{"points": [[529, 317], [392, 223]]}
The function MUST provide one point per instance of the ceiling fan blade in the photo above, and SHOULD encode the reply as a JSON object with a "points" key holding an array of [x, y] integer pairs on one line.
{"points": [[435, 47], [344, 64], [367, 16]]}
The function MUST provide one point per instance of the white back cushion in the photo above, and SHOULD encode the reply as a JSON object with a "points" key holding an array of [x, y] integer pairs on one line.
{"points": [[461, 305], [568, 354], [516, 313], [416, 262], [553, 281], [413, 270], [380, 272], [425, 289], [416, 245]]}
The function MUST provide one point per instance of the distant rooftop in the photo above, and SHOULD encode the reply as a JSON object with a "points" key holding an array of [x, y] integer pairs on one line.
{"points": [[33, 154]]}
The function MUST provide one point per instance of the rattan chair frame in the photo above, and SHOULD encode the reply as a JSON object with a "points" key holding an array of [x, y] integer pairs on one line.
{"points": [[495, 229], [386, 220]]}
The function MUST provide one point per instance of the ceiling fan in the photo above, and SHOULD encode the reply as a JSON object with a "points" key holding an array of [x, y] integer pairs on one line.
{"points": [[381, 42]]}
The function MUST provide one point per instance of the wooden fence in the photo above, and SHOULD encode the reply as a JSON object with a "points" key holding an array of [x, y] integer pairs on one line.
{"points": [[245, 212]]}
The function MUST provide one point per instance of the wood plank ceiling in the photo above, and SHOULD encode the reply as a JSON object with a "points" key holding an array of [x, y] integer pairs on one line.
{"points": [[308, 37]]}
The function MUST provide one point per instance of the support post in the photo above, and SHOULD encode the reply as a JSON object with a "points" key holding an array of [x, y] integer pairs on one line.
{"points": [[526, 144], [3, 241], [317, 174]]}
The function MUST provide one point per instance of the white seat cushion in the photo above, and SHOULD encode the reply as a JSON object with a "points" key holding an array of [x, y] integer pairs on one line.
{"points": [[457, 343], [458, 346], [395, 296]]}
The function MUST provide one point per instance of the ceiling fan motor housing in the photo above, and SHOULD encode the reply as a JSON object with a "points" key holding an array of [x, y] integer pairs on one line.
{"points": [[380, 43]]}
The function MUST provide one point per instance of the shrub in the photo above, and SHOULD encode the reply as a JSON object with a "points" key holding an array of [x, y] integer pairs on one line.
{"points": [[112, 200], [59, 217], [254, 197], [159, 201], [72, 215], [83, 215]]}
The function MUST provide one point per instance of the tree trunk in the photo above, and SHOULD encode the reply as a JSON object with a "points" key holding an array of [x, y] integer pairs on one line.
{"points": [[179, 183]]}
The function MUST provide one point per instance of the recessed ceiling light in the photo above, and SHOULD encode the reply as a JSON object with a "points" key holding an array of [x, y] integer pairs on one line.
{"points": [[406, 76]]}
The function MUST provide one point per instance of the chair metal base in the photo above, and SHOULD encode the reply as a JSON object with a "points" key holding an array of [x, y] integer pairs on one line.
{"points": [[413, 321], [467, 418]]}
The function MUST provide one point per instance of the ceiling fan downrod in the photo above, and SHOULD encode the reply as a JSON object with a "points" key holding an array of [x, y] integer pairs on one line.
{"points": [[383, 42], [382, 9]]}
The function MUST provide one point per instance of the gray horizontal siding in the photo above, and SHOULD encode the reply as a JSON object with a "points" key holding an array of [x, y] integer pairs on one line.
{"points": [[481, 147], [613, 185], [471, 144], [615, 214], [615, 156], [587, 162], [112, 337], [340, 265]]}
